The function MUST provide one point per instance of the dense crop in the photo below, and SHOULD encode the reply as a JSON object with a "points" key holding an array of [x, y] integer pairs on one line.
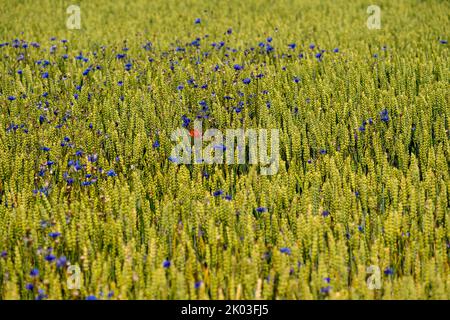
{"points": [[86, 178]]}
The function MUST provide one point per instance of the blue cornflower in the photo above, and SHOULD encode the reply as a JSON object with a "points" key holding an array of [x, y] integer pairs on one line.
{"points": [[229, 31], [442, 41], [45, 75], [111, 173], [296, 79], [93, 158], [384, 115], [323, 151], [180, 87], [45, 149], [217, 193], [54, 235], [292, 46], [79, 153], [325, 213], [120, 83], [128, 66], [197, 21], [34, 272], [388, 271], [166, 264], [156, 144], [173, 159], [50, 257], [336, 50], [327, 279], [41, 295], [325, 290], [261, 209], [228, 197], [312, 46], [61, 262], [198, 284], [220, 147], [238, 67], [361, 228], [246, 80], [29, 286], [91, 297], [286, 251], [185, 120], [11, 98], [269, 39]]}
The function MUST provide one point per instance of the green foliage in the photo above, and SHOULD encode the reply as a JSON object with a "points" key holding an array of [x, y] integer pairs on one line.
{"points": [[343, 199]]}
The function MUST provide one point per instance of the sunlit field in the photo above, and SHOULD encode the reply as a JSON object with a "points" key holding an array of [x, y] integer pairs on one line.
{"points": [[94, 204]]}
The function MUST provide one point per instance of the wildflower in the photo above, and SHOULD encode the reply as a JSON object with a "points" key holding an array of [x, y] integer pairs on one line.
{"points": [[45, 75], [220, 147], [261, 209], [286, 250], [384, 116], [93, 158], [54, 235], [325, 213], [45, 149], [29, 286], [11, 98], [296, 79], [185, 120], [173, 159], [246, 80], [91, 297], [166, 264], [197, 21], [34, 272], [327, 279], [442, 41], [111, 173], [228, 197], [155, 144], [323, 151], [325, 290], [388, 271], [41, 295], [292, 46], [198, 284], [238, 67], [61, 262], [50, 257], [217, 193], [336, 50], [269, 39]]}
